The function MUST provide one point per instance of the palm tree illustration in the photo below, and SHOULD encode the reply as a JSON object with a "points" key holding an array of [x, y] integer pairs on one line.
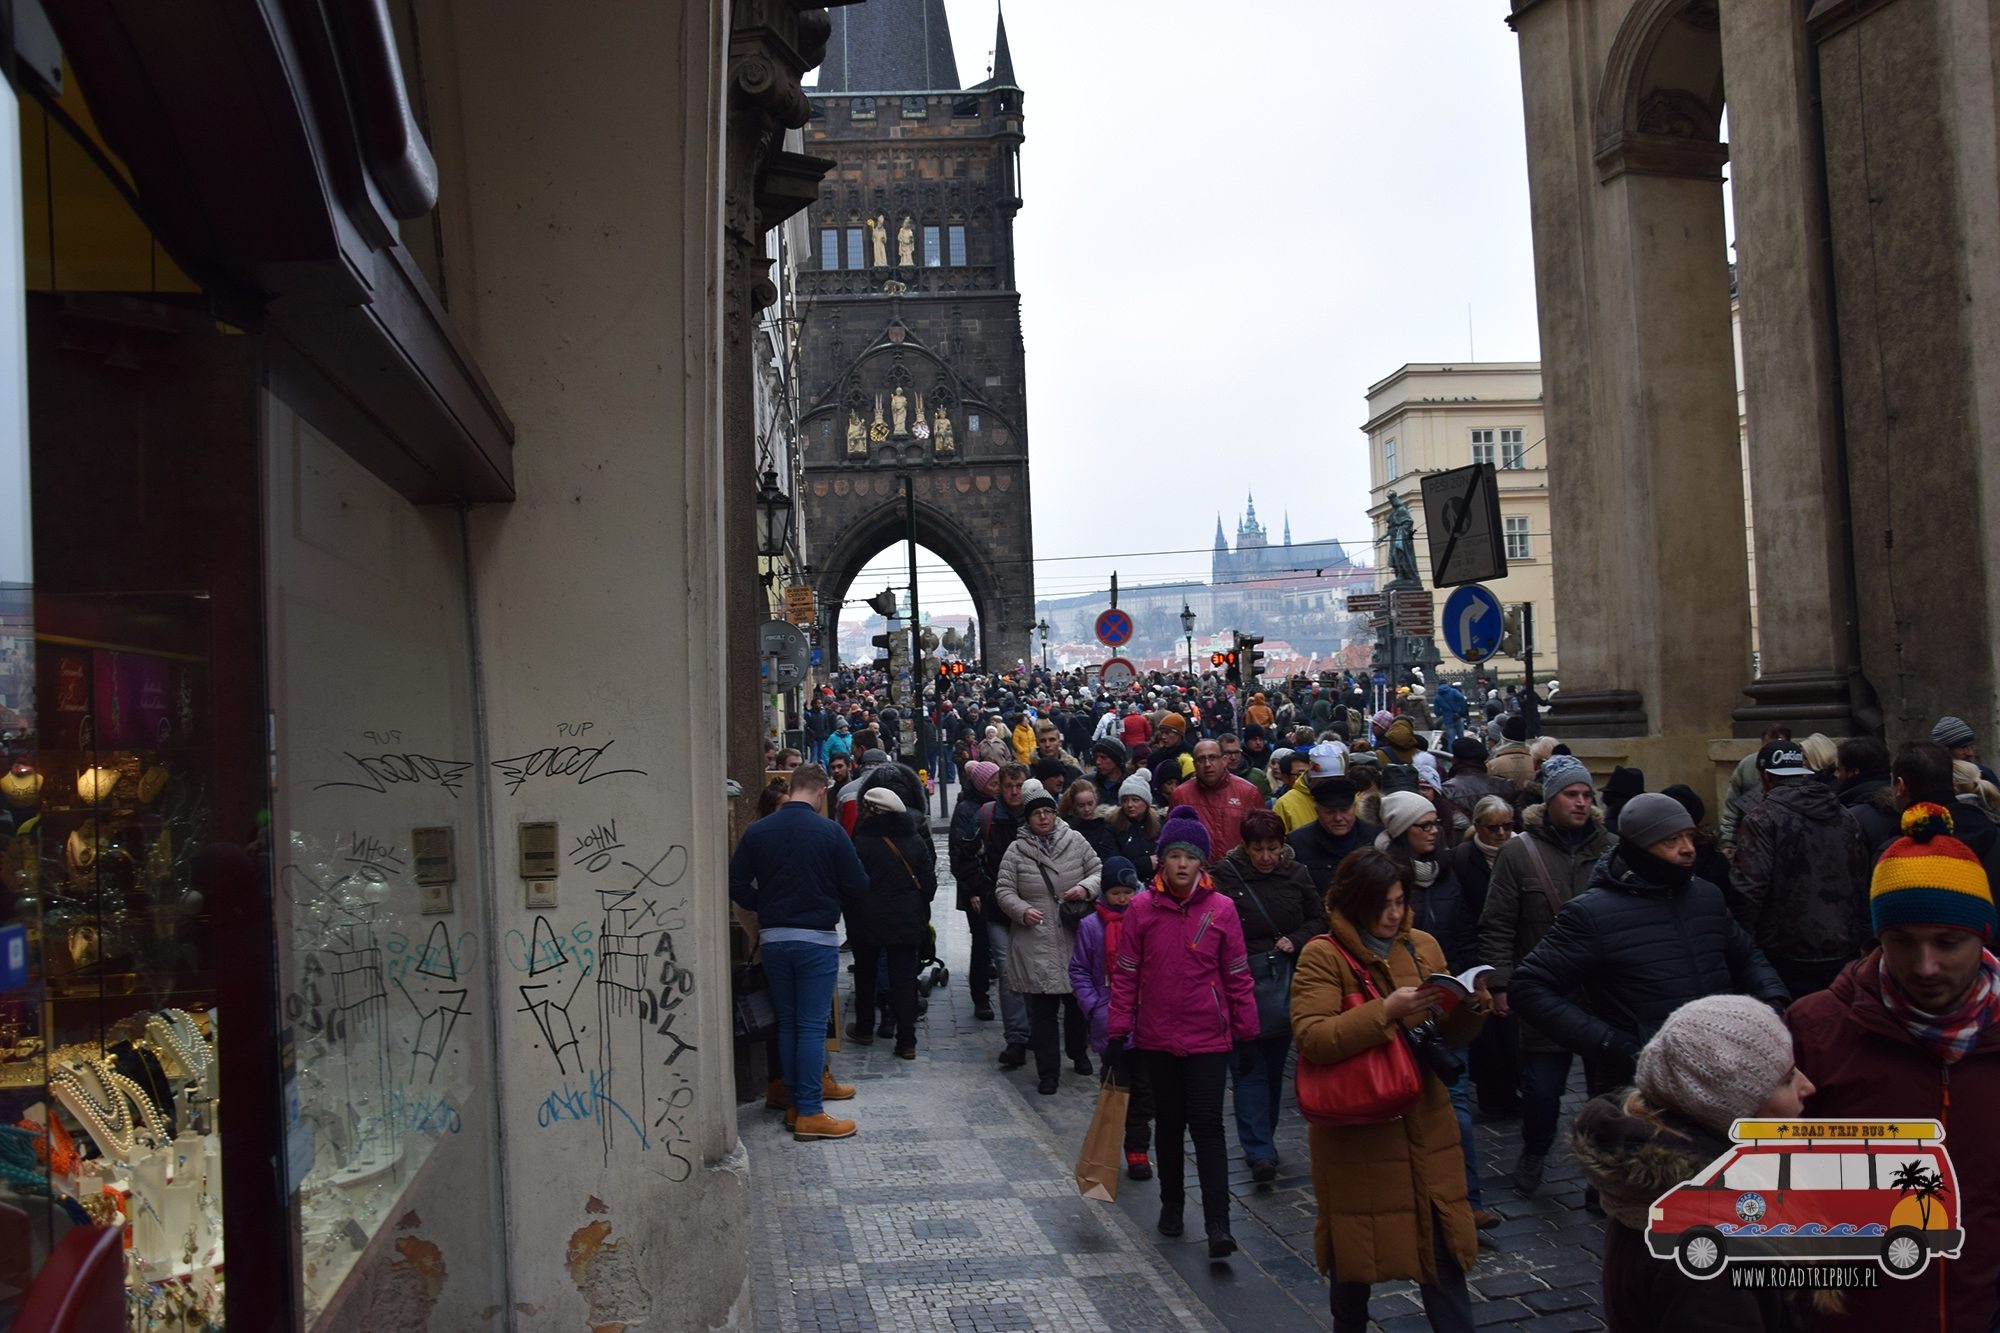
{"points": [[1925, 1183]]}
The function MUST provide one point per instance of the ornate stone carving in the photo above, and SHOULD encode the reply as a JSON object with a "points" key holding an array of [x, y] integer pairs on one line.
{"points": [[1675, 113]]}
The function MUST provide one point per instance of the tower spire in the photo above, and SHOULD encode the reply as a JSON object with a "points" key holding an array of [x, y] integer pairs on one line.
{"points": [[1288, 527], [1003, 57], [1221, 542]]}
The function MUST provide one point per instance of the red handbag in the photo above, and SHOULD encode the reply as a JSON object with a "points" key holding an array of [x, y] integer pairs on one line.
{"points": [[1380, 1083]]}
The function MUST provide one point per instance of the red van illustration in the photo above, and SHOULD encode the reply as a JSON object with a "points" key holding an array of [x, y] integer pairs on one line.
{"points": [[1799, 1190]]}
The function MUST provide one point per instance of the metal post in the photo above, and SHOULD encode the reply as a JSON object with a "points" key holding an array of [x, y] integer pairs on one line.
{"points": [[1531, 716], [916, 619], [1190, 655]]}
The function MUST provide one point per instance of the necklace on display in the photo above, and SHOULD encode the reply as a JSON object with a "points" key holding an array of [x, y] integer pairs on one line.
{"points": [[180, 1042], [136, 1096], [98, 1107]]}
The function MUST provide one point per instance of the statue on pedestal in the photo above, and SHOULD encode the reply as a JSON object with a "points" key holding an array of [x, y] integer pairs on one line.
{"points": [[857, 435], [941, 433], [899, 413], [906, 245], [878, 235], [1402, 542]]}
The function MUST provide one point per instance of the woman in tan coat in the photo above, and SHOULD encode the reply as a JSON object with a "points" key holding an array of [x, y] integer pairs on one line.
{"points": [[1391, 1196], [1048, 862]]}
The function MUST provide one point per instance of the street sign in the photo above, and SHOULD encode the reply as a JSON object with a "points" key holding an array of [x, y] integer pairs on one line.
{"points": [[800, 606], [783, 653], [1117, 673], [1462, 507], [1114, 628], [1364, 602], [1380, 679], [1473, 620]]}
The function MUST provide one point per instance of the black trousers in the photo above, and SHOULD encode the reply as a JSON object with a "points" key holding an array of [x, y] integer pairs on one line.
{"points": [[1187, 1103], [979, 976], [902, 987], [1495, 1058], [1139, 1109], [1042, 1015]]}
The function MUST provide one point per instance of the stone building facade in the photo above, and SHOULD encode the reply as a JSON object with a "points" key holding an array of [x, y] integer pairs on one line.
{"points": [[911, 363], [1861, 150]]}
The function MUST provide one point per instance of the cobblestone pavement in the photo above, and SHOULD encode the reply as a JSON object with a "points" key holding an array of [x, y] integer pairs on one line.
{"points": [[954, 1208]]}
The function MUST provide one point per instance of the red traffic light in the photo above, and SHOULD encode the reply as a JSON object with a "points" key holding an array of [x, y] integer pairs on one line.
{"points": [[1215, 659]]}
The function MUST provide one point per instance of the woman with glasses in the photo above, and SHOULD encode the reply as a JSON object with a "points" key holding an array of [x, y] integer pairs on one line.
{"points": [[1412, 832], [1495, 1058], [1391, 1195]]}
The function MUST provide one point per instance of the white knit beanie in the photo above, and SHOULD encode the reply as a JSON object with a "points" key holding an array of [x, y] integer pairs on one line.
{"points": [[1716, 1060], [1401, 810], [1140, 784]]}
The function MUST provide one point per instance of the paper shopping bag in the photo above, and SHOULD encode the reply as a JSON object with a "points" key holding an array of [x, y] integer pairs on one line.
{"points": [[1098, 1165]]}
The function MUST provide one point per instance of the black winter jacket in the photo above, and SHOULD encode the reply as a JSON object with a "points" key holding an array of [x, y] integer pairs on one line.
{"points": [[902, 879], [1871, 799], [1321, 853], [1443, 912], [1627, 952], [1136, 845], [1286, 894], [1800, 880], [962, 847], [1099, 834], [1474, 874]]}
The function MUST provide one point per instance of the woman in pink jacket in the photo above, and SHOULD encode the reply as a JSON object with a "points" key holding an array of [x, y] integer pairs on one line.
{"points": [[1182, 997]]}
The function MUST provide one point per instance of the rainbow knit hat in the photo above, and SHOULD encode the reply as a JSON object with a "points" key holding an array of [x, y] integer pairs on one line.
{"points": [[1929, 878]]}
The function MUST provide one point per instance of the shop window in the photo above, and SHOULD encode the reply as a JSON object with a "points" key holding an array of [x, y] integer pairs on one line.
{"points": [[956, 239]]}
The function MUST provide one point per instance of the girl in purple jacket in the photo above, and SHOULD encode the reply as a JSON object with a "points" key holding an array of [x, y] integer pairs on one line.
{"points": [[1096, 952], [1181, 993]]}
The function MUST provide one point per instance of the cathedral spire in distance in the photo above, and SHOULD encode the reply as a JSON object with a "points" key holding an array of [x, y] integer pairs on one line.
{"points": [[1221, 542], [1288, 527]]}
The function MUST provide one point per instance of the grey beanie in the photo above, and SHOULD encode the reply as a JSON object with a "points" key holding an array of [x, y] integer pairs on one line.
{"points": [[1952, 732], [1652, 817], [1563, 770], [1716, 1060], [1140, 784]]}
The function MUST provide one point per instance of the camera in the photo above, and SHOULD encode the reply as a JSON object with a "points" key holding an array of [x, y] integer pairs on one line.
{"points": [[1427, 1044]]}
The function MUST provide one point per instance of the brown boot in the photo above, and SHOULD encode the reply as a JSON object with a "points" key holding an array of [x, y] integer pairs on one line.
{"points": [[832, 1089], [821, 1126], [791, 1118], [775, 1096]]}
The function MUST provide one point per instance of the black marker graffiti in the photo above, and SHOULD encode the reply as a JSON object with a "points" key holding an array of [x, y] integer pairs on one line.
{"points": [[559, 761], [383, 771]]}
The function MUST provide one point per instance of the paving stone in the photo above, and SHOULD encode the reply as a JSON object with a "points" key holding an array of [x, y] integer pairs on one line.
{"points": [[1507, 1284], [1553, 1302]]}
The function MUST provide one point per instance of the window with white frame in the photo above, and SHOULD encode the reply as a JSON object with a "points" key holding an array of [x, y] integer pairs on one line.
{"points": [[1513, 452], [1482, 446], [1389, 459], [829, 247], [1518, 545]]}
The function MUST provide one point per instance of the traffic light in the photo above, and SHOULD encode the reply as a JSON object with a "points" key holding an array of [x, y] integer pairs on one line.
{"points": [[1517, 630], [958, 668], [1233, 675], [887, 643], [883, 603], [1249, 657], [1215, 659]]}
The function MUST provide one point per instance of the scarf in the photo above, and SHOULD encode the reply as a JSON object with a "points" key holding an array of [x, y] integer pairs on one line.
{"points": [[1492, 854], [1377, 944], [1948, 1036], [1114, 927], [1045, 841], [1425, 870]]}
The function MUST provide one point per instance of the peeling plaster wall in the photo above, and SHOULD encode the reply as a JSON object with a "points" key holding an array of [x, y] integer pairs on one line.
{"points": [[581, 154]]}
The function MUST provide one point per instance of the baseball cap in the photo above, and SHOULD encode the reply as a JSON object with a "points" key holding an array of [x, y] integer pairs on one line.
{"points": [[1329, 760], [1783, 759]]}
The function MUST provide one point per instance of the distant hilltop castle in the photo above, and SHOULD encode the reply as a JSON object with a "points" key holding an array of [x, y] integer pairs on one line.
{"points": [[1256, 559]]}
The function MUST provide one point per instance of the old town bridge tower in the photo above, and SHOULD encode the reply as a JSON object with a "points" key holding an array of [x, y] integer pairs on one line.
{"points": [[910, 354]]}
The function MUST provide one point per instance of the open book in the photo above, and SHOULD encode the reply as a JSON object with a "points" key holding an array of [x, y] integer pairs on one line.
{"points": [[1452, 989]]}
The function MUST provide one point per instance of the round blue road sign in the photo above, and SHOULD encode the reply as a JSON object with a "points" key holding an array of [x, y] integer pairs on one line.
{"points": [[1473, 623], [1114, 628]]}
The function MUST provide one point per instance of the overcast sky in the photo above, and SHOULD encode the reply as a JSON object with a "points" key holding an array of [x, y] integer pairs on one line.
{"points": [[1236, 220]]}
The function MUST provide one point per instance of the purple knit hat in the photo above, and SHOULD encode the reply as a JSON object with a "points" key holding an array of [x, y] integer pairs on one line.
{"points": [[1184, 826]]}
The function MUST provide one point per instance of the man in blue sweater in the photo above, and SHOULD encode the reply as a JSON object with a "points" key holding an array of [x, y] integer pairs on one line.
{"points": [[797, 872]]}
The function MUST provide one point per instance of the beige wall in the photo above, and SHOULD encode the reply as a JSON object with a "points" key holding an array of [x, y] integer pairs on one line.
{"points": [[1430, 413]]}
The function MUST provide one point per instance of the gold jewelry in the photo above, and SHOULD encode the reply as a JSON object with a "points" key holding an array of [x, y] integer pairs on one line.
{"points": [[95, 785], [151, 783], [21, 786]]}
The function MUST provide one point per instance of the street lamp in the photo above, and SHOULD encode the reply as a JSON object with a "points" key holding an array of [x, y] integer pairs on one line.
{"points": [[1043, 626], [1187, 628], [774, 518]]}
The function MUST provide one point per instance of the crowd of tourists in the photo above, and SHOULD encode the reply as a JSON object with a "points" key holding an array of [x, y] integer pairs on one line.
{"points": [[1187, 890]]}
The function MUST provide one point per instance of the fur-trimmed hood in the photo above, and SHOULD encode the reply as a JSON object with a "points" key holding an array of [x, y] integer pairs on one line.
{"points": [[1632, 1160]]}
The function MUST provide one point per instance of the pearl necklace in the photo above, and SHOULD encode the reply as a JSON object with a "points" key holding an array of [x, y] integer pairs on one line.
{"points": [[175, 1033], [136, 1096], [105, 1112]]}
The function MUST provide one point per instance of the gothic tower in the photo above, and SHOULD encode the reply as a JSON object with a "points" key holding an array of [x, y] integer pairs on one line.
{"points": [[911, 362]]}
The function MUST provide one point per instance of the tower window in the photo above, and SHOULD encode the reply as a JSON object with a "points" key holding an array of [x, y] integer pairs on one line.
{"points": [[915, 108], [854, 258], [829, 247], [956, 237], [933, 247], [1513, 453], [1518, 545], [862, 108], [1389, 459], [1482, 446], [965, 106]]}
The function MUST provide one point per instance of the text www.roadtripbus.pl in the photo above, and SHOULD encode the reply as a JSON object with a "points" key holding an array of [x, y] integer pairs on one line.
{"points": [[1777, 1277]]}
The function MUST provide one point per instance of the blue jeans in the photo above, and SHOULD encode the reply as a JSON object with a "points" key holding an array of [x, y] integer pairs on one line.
{"points": [[1259, 1095], [1014, 1019], [1544, 1075], [1468, 1142], [802, 978]]}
